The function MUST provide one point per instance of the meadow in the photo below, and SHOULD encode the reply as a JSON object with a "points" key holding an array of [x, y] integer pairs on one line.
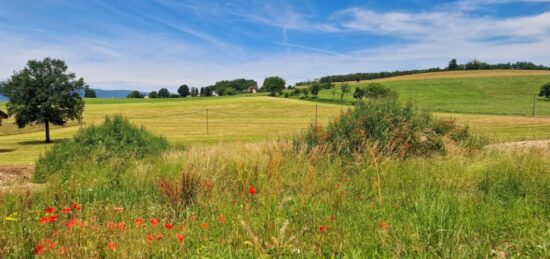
{"points": [[484, 92], [248, 189]]}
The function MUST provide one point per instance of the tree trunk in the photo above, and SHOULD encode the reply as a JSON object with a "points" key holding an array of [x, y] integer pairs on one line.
{"points": [[47, 126]]}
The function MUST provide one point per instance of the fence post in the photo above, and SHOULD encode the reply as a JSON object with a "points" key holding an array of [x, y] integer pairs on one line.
{"points": [[207, 132]]}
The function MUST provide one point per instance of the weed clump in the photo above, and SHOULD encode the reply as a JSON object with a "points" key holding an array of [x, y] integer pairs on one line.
{"points": [[114, 140], [389, 128]]}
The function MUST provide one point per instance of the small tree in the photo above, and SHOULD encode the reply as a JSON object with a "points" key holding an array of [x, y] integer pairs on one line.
{"points": [[453, 65], [134, 94], [305, 92], [44, 93], [274, 85], [153, 94], [183, 91], [344, 89], [297, 91], [89, 93], [376, 90], [164, 93], [359, 93], [315, 88], [545, 90]]}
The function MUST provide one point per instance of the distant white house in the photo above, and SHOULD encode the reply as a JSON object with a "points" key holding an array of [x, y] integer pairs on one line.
{"points": [[252, 89], [146, 97]]}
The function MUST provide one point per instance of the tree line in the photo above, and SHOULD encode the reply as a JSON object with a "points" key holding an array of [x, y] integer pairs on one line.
{"points": [[453, 66]]}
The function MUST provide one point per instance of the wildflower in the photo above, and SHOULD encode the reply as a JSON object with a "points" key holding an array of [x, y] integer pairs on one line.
{"points": [[221, 219], [332, 218], [204, 226], [39, 249], [383, 225], [183, 227], [66, 210], [252, 190], [121, 226], [180, 237], [149, 238], [50, 210], [154, 221], [159, 236], [71, 223], [168, 226], [53, 245], [111, 245], [338, 186], [76, 206], [321, 228], [119, 209], [139, 222], [49, 219]]}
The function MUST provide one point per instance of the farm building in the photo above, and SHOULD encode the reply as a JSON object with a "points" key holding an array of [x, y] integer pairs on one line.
{"points": [[3, 115], [252, 89]]}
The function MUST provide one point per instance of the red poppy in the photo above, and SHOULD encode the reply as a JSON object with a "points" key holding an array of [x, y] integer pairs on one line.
{"points": [[66, 210], [252, 190], [49, 219], [118, 209], [121, 226], [322, 229], [39, 249], [111, 245], [221, 219], [53, 245], [159, 236], [338, 186], [183, 227], [168, 226], [204, 226], [383, 225], [139, 222], [332, 218], [149, 238], [154, 221], [71, 223], [76, 206], [180, 237], [50, 210]]}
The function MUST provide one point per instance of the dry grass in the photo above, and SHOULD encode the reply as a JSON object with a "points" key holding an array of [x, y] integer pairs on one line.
{"points": [[461, 74]]}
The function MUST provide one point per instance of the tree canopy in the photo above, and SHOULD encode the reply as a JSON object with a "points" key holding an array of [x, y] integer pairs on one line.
{"points": [[44, 93], [88, 92], [545, 90], [183, 90], [164, 93], [274, 85], [134, 94]]}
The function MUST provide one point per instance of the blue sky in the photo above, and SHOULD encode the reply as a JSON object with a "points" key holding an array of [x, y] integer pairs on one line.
{"points": [[145, 45]]}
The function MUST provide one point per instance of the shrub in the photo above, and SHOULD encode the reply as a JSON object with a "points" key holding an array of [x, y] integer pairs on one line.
{"points": [[388, 127], [545, 90], [116, 139], [376, 90]]}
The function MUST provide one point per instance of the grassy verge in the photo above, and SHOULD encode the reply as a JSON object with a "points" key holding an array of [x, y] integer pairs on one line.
{"points": [[484, 205]]}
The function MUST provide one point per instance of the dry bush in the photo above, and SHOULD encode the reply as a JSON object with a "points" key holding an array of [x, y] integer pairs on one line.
{"points": [[181, 193]]}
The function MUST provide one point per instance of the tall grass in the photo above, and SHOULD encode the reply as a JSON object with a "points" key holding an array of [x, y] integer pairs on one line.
{"points": [[486, 205]]}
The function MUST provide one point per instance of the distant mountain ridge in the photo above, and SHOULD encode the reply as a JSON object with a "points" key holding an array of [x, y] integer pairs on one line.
{"points": [[100, 93]]}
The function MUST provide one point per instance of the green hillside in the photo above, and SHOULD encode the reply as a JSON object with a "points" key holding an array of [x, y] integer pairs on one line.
{"points": [[506, 95]]}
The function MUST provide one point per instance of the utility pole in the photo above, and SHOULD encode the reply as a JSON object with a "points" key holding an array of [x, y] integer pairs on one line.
{"points": [[534, 102], [207, 121]]}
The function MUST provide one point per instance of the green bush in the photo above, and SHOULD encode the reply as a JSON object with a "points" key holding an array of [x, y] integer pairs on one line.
{"points": [[116, 139], [376, 90], [388, 127], [545, 90]]}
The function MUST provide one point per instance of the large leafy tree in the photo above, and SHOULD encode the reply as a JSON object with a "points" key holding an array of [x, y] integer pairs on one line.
{"points": [[183, 91], [545, 90], [44, 93], [274, 85], [164, 93]]}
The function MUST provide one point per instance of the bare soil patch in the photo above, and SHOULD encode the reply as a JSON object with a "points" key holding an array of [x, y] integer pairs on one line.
{"points": [[17, 179]]}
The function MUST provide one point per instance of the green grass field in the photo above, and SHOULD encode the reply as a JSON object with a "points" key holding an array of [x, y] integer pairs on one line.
{"points": [[245, 190], [502, 95]]}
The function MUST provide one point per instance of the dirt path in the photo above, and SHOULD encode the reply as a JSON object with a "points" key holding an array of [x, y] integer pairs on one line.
{"points": [[17, 179], [521, 146]]}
